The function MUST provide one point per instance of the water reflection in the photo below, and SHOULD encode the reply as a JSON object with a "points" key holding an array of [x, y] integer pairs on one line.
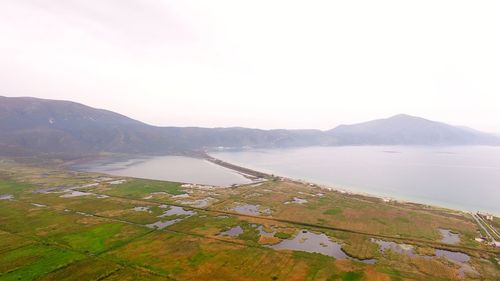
{"points": [[170, 168], [163, 224], [296, 200], [250, 209], [75, 193], [199, 203], [6, 197], [453, 256], [235, 231], [458, 258], [395, 247], [449, 237], [175, 210], [316, 243]]}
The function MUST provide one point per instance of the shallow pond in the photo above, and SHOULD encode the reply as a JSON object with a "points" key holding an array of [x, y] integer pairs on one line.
{"points": [[460, 259], [183, 195], [175, 210], [6, 197], [449, 237], [117, 182], [199, 203], [453, 256], [296, 200], [315, 243], [75, 194], [152, 194], [163, 224], [38, 205], [250, 209], [235, 231], [57, 189], [89, 185], [395, 247]]}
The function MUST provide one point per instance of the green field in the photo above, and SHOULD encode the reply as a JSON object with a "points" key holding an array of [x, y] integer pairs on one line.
{"points": [[61, 225]]}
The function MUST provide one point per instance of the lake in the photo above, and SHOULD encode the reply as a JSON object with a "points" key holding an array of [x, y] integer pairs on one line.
{"points": [[170, 168], [465, 178]]}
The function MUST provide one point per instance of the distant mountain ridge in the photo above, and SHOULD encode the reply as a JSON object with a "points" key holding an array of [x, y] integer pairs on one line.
{"points": [[404, 129], [32, 126]]}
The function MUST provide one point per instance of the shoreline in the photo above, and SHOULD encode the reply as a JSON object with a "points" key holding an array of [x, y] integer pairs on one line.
{"points": [[385, 199], [255, 175]]}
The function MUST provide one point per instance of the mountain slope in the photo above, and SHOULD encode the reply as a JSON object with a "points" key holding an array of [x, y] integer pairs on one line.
{"points": [[36, 126], [409, 130], [31, 126]]}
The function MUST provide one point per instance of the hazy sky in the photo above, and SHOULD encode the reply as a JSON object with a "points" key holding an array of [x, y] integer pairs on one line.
{"points": [[266, 64]]}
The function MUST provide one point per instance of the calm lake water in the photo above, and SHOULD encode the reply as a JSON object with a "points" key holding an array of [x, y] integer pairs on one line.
{"points": [[171, 168], [466, 178]]}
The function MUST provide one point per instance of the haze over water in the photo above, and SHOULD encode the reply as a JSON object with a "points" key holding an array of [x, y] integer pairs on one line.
{"points": [[465, 178]]}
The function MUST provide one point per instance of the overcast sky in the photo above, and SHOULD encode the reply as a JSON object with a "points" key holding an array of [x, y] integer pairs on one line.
{"points": [[265, 64]]}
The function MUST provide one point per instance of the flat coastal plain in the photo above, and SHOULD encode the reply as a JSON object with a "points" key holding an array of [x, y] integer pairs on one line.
{"points": [[63, 225]]}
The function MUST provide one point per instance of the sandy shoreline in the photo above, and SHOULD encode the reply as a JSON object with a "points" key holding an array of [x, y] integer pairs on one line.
{"points": [[386, 199], [255, 175]]}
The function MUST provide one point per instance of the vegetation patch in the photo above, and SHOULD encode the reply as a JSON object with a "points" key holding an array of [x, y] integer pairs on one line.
{"points": [[200, 257], [250, 233], [34, 261], [139, 188], [352, 276], [360, 247], [10, 242], [8, 186], [268, 240], [101, 237], [87, 269], [403, 219], [208, 225], [379, 221], [282, 235], [92, 240], [319, 266], [334, 211], [129, 274]]}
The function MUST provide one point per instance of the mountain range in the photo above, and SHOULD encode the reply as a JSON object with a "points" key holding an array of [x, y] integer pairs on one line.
{"points": [[32, 126]]}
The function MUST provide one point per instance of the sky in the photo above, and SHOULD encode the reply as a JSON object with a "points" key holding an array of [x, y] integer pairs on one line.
{"points": [[260, 64]]}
